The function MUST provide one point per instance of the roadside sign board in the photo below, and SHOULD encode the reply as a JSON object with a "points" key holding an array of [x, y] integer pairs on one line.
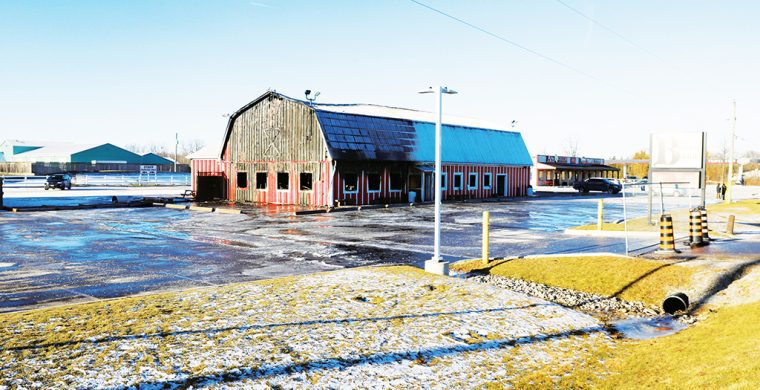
{"points": [[677, 158], [148, 169], [677, 150]]}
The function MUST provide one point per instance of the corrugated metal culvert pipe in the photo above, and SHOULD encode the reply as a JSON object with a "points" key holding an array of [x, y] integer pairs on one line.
{"points": [[675, 303]]}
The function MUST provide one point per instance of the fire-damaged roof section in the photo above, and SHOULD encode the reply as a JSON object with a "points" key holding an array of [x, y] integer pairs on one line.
{"points": [[359, 137], [356, 137]]}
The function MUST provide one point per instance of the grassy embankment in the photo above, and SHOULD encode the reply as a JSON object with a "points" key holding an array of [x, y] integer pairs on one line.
{"points": [[750, 207], [722, 351], [631, 279]]}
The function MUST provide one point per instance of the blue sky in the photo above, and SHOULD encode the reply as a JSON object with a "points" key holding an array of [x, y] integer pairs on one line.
{"points": [[136, 72]]}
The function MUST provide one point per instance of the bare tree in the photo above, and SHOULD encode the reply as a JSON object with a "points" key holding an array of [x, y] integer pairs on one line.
{"points": [[191, 146], [571, 147]]}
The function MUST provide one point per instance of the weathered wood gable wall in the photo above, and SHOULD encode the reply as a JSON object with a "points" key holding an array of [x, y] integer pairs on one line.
{"points": [[278, 135]]}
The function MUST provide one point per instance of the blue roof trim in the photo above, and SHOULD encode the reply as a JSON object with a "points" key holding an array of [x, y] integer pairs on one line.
{"points": [[471, 145], [355, 137]]}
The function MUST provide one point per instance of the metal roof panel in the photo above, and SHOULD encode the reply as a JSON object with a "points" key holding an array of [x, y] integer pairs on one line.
{"points": [[395, 139]]}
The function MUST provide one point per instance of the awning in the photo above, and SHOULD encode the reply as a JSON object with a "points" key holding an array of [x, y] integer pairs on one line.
{"points": [[564, 167], [425, 168]]}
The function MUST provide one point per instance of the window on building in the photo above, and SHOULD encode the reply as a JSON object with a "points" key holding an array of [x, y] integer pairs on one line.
{"points": [[283, 181], [472, 181], [458, 179], [350, 183], [396, 182], [487, 181], [305, 179], [242, 179], [261, 180], [373, 182], [444, 181]]}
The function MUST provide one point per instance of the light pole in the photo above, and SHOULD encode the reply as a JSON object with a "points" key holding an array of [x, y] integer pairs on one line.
{"points": [[176, 147], [436, 265]]}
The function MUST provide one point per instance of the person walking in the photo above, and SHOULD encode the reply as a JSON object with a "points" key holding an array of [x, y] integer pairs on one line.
{"points": [[723, 191], [717, 191]]}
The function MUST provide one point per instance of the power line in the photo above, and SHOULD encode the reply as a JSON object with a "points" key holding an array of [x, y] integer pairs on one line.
{"points": [[515, 44], [632, 43], [617, 34]]}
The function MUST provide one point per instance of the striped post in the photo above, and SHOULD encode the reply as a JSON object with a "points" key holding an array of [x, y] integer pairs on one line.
{"points": [[667, 238], [705, 233], [695, 228]]}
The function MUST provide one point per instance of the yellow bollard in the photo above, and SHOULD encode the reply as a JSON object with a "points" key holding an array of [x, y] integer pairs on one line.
{"points": [[486, 223], [600, 215], [730, 224]]}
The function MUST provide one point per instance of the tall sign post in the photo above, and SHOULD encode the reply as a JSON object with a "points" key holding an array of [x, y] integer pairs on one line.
{"points": [[730, 179]]}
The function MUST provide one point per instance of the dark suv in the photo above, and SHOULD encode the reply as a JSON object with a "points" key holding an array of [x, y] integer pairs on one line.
{"points": [[598, 184], [61, 180]]}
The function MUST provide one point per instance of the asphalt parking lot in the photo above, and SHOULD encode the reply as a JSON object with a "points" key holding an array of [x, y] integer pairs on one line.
{"points": [[80, 255], [50, 257]]}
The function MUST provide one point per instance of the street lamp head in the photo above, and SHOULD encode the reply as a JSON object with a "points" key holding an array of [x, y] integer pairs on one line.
{"points": [[445, 90]]}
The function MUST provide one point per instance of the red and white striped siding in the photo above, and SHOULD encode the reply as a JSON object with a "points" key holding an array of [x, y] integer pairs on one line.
{"points": [[517, 177], [292, 196], [205, 167], [364, 197]]}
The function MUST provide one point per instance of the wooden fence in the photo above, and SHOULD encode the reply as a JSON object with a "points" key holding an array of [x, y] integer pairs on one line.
{"points": [[42, 168]]}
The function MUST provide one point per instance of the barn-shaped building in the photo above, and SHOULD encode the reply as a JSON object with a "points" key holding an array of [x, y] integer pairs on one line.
{"points": [[286, 151]]}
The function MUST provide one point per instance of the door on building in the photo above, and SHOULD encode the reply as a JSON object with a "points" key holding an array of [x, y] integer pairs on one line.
{"points": [[210, 187], [415, 185], [429, 185], [501, 184]]}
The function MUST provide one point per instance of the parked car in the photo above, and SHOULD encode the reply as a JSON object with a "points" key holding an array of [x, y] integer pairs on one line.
{"points": [[61, 180], [598, 184], [643, 182], [670, 190]]}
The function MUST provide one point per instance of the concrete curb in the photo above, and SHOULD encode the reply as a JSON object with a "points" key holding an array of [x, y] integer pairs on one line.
{"points": [[560, 255], [77, 207], [609, 233], [201, 209], [228, 211], [356, 208]]}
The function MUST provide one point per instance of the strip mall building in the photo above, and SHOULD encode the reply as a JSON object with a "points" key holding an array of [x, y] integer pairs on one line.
{"points": [[281, 150], [560, 171]]}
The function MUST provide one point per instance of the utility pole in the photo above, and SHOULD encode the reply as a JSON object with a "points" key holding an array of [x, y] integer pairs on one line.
{"points": [[176, 147], [730, 185]]}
